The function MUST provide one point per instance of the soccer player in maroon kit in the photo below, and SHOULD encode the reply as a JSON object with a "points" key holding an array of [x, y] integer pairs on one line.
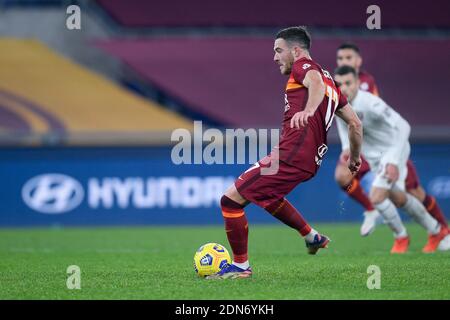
{"points": [[349, 54], [311, 101]]}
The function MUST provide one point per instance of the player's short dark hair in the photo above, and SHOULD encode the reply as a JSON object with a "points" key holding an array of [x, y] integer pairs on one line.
{"points": [[349, 45], [343, 70], [299, 35]]}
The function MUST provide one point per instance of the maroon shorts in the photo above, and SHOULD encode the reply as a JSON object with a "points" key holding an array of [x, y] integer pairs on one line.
{"points": [[262, 189], [412, 179]]}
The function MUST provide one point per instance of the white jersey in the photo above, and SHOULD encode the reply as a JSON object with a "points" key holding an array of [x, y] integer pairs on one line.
{"points": [[385, 132]]}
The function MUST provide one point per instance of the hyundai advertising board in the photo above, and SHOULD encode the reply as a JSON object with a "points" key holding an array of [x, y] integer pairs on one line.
{"points": [[133, 186]]}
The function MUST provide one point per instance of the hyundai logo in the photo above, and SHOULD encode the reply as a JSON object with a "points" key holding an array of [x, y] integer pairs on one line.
{"points": [[52, 193]]}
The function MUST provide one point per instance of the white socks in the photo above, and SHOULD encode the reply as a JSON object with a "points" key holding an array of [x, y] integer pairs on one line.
{"points": [[392, 218], [311, 235], [418, 212], [244, 265]]}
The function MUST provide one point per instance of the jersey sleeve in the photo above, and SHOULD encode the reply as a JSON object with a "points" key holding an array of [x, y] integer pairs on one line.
{"points": [[300, 70], [374, 90]]}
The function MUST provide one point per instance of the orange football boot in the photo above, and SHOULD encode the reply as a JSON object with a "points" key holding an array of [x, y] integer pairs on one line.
{"points": [[400, 245], [434, 240]]}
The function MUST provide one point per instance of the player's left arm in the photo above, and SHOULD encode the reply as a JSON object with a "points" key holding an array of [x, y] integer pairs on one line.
{"points": [[316, 91]]}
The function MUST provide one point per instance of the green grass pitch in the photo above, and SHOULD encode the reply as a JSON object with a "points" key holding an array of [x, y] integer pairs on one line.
{"points": [[156, 263]]}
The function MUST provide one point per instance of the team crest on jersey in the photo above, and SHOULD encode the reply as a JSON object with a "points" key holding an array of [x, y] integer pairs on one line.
{"points": [[320, 153], [322, 150]]}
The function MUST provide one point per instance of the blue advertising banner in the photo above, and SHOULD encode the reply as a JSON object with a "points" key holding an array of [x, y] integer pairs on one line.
{"points": [[134, 186]]}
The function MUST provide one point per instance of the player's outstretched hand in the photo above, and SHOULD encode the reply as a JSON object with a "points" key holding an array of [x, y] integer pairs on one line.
{"points": [[354, 165], [301, 119]]}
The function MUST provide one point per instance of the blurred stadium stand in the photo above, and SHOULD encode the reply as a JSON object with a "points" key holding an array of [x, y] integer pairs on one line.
{"points": [[255, 13], [42, 93], [182, 68], [31, 3], [163, 59], [178, 67]]}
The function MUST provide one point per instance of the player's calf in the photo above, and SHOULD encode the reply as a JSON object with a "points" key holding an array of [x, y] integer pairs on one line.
{"points": [[236, 227], [286, 213], [392, 218]]}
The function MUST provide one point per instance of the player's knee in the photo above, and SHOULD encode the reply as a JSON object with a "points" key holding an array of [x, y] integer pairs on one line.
{"points": [[227, 204], [224, 201], [234, 195], [398, 198], [398, 203], [342, 176]]}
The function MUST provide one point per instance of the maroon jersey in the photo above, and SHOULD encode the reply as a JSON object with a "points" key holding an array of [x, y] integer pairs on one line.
{"points": [[367, 83], [304, 148]]}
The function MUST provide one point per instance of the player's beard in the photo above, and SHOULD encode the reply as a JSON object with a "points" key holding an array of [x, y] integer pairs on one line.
{"points": [[287, 68]]}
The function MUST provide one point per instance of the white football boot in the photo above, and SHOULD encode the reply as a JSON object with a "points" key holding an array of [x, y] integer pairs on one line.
{"points": [[444, 245], [371, 220]]}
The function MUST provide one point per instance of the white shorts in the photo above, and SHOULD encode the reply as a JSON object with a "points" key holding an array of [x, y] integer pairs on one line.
{"points": [[379, 169]]}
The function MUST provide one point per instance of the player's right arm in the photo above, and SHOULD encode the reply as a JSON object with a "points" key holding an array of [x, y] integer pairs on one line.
{"points": [[354, 126], [342, 133], [343, 137]]}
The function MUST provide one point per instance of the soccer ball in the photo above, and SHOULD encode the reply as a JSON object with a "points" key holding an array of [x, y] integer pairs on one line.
{"points": [[210, 258]]}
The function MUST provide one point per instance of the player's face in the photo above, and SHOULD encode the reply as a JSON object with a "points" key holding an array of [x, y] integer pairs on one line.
{"points": [[348, 57], [283, 56], [348, 84]]}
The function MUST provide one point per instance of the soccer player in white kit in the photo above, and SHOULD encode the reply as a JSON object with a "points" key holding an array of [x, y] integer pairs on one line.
{"points": [[386, 148]]}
